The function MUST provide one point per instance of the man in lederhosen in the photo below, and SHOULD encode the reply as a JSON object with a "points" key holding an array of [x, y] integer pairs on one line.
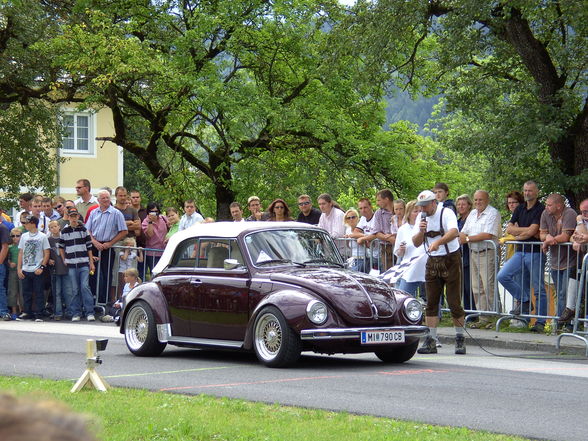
{"points": [[439, 233]]}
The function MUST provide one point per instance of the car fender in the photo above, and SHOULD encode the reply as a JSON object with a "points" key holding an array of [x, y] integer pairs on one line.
{"points": [[292, 304], [152, 295]]}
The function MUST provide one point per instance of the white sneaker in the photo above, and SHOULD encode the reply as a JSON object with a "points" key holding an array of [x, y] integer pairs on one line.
{"points": [[38, 320], [75, 318], [107, 319], [91, 318]]}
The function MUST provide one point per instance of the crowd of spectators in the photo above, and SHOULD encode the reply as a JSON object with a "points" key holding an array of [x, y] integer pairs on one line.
{"points": [[61, 257]]}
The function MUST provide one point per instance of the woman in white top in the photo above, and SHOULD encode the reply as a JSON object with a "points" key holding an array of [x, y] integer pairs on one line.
{"points": [[415, 258], [351, 220]]}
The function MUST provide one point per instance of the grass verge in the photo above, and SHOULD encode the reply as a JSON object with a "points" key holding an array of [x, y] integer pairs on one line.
{"points": [[134, 415]]}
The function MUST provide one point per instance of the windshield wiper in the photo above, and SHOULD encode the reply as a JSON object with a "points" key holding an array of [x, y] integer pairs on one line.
{"points": [[279, 261], [340, 265]]}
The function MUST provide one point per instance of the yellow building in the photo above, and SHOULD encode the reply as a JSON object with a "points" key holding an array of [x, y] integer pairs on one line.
{"points": [[86, 158]]}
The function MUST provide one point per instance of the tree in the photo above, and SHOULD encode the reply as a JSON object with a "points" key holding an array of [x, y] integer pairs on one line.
{"points": [[202, 86], [30, 131], [513, 75]]}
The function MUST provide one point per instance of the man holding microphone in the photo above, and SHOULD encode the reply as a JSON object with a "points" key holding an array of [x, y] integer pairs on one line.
{"points": [[439, 233]]}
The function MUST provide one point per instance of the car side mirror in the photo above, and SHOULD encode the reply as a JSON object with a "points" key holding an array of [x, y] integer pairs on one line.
{"points": [[231, 264]]}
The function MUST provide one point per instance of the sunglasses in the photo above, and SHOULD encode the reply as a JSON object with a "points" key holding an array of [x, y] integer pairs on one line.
{"points": [[57, 207], [301, 204], [350, 217], [15, 235]]}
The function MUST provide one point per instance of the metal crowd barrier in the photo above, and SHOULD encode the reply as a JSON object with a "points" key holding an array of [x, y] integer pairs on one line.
{"points": [[375, 258], [108, 281], [553, 281], [487, 298], [579, 332], [481, 296]]}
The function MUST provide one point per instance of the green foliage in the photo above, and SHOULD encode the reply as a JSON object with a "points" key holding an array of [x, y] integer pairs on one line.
{"points": [[29, 138], [29, 128], [513, 75]]}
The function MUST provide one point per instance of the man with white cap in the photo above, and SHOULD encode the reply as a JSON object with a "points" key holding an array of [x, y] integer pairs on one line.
{"points": [[438, 233]]}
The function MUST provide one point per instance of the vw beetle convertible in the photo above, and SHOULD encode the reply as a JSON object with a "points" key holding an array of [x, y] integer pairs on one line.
{"points": [[276, 288]]}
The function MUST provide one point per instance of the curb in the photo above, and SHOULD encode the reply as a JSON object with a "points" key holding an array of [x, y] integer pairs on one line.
{"points": [[498, 340]]}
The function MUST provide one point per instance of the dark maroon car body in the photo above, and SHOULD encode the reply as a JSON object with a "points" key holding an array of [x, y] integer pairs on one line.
{"points": [[196, 304]]}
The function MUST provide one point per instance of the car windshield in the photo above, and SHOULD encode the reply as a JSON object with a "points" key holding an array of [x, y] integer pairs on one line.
{"points": [[292, 247]]}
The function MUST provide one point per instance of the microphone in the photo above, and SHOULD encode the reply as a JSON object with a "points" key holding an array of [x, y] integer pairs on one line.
{"points": [[423, 215]]}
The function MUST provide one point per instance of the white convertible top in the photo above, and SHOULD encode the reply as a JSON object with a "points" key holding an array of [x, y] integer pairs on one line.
{"points": [[221, 230]]}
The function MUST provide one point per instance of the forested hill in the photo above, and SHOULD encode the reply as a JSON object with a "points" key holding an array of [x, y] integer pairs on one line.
{"points": [[403, 107]]}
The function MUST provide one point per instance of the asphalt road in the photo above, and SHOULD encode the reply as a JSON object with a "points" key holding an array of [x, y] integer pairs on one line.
{"points": [[533, 395]]}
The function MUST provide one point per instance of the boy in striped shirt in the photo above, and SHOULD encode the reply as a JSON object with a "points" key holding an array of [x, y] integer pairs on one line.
{"points": [[75, 247]]}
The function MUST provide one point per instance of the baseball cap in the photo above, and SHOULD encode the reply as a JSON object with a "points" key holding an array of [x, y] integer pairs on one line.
{"points": [[425, 197], [32, 219]]}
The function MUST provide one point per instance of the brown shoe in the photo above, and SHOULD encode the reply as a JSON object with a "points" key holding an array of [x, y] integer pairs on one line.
{"points": [[567, 315]]}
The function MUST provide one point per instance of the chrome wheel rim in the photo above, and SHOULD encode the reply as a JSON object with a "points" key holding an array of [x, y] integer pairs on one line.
{"points": [[268, 336], [137, 327]]}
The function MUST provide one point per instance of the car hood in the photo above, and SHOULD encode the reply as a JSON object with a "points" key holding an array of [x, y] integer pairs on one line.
{"points": [[357, 297]]}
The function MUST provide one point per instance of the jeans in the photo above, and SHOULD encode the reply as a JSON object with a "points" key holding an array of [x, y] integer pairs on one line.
{"points": [[32, 288], [3, 292], [358, 265], [531, 267], [410, 287], [81, 294], [61, 286], [560, 280]]}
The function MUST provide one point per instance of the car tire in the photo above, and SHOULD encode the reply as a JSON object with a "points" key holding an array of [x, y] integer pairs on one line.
{"points": [[398, 355], [275, 343], [141, 331]]}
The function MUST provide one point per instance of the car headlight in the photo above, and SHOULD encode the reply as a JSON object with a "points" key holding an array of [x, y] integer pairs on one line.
{"points": [[317, 312], [413, 309]]}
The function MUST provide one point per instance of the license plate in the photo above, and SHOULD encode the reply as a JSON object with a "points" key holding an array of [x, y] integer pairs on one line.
{"points": [[381, 337]]}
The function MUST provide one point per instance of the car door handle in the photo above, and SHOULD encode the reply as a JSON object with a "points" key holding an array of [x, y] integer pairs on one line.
{"points": [[196, 282]]}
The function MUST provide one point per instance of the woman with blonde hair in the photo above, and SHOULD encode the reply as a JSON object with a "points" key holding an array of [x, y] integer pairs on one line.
{"points": [[350, 220], [412, 258]]}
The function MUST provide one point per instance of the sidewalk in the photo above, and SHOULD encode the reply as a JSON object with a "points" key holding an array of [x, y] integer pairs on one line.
{"points": [[514, 340], [484, 337]]}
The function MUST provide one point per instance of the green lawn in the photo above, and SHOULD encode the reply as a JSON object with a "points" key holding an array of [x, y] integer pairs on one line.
{"points": [[129, 414]]}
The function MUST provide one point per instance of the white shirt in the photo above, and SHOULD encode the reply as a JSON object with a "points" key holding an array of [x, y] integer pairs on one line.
{"points": [[368, 228], [93, 200], [488, 221], [416, 271], [43, 225], [33, 246], [449, 223], [333, 222], [187, 221]]}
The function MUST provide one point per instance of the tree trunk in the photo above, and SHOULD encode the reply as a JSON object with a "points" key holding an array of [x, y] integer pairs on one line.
{"points": [[223, 182]]}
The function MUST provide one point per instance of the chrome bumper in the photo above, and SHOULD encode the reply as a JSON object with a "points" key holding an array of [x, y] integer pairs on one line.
{"points": [[355, 333]]}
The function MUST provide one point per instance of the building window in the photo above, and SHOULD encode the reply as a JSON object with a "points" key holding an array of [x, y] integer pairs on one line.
{"points": [[78, 137]]}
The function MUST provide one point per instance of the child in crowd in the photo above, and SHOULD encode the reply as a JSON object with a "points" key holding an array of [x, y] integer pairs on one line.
{"points": [[23, 220], [14, 288], [33, 255], [131, 278], [128, 258], [75, 248], [60, 283]]}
